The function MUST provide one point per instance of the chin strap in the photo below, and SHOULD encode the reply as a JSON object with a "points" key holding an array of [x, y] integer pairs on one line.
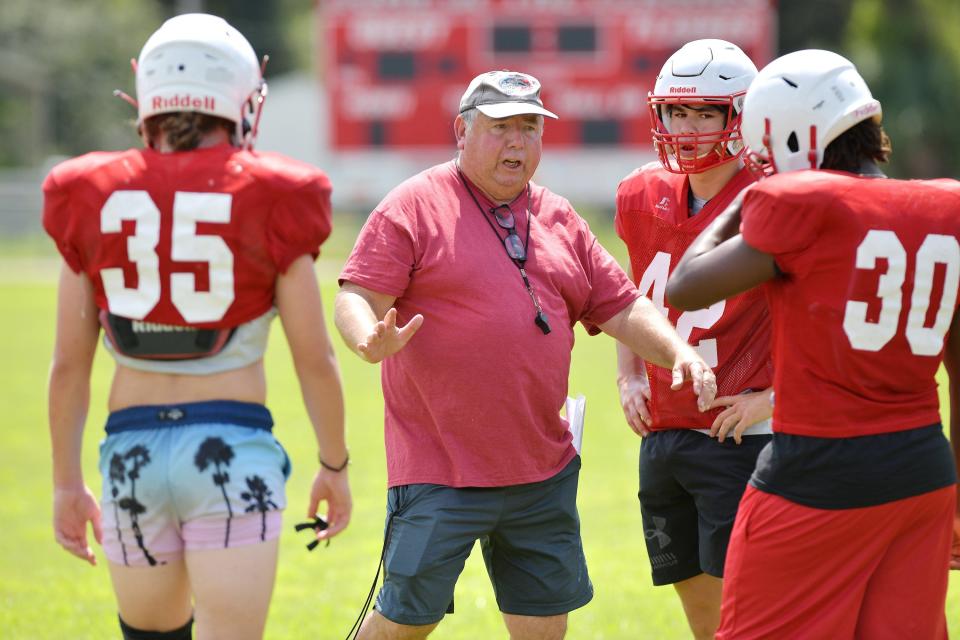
{"points": [[117, 93], [256, 107]]}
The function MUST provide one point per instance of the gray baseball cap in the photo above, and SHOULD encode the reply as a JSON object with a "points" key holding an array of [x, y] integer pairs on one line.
{"points": [[501, 94]]}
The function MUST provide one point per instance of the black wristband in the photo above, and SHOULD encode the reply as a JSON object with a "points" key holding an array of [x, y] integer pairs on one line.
{"points": [[332, 468]]}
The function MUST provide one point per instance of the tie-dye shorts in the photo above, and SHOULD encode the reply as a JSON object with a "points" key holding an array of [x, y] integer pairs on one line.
{"points": [[201, 475]]}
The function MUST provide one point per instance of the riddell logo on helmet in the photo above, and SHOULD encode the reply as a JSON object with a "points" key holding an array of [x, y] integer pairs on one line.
{"points": [[867, 110], [184, 101], [683, 89]]}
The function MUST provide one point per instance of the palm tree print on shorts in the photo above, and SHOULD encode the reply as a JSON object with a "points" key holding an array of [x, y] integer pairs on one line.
{"points": [[215, 451], [259, 499], [118, 476], [138, 456]]}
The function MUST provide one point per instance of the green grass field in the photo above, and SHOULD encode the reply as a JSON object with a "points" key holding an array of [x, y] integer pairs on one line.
{"points": [[45, 593]]}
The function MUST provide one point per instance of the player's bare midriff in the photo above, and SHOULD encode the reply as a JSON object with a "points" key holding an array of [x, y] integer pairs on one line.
{"points": [[132, 387]]}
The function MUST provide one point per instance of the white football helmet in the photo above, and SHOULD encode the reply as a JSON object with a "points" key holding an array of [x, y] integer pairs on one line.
{"points": [[198, 62], [800, 103], [713, 72]]}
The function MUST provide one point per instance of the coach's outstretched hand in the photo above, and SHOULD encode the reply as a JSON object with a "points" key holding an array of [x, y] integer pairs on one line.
{"points": [[689, 366], [367, 320], [72, 510], [387, 338]]}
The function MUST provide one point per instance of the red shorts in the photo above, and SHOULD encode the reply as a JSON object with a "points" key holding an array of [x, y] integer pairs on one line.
{"points": [[872, 572]]}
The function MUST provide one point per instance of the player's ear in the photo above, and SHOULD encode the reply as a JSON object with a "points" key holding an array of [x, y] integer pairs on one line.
{"points": [[144, 135]]}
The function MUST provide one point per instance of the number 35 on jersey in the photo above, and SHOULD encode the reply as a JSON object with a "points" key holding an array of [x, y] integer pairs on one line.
{"points": [[185, 245]]}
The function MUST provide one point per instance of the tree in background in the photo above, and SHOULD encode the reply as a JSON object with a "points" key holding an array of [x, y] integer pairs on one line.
{"points": [[909, 53], [812, 24], [61, 60], [262, 22]]}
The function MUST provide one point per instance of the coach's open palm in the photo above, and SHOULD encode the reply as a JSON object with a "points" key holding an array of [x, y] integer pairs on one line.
{"points": [[387, 338]]}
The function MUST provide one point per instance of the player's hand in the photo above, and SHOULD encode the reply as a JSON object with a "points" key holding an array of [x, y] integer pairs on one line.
{"points": [[690, 366], [387, 338], [72, 510], [334, 488], [955, 549], [634, 395], [741, 411]]}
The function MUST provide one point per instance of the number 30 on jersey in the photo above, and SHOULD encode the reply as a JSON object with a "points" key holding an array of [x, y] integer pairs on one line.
{"points": [[867, 335]]}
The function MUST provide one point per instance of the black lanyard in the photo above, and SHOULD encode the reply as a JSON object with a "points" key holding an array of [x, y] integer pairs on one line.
{"points": [[541, 318]]}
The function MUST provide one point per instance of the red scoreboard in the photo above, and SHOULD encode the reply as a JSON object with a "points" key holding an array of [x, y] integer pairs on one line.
{"points": [[394, 70]]}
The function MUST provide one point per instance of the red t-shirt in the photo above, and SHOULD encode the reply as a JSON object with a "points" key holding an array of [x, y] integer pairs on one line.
{"points": [[871, 271], [732, 336], [474, 398], [190, 238]]}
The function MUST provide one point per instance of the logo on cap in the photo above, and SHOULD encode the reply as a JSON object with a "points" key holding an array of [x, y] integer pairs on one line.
{"points": [[516, 85], [501, 94]]}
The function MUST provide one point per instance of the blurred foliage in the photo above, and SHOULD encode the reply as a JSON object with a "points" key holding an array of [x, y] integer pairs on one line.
{"points": [[908, 51], [61, 60], [262, 22], [60, 65], [812, 24]]}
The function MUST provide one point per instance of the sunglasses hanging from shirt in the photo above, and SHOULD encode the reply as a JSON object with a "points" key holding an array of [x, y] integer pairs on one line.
{"points": [[516, 249]]}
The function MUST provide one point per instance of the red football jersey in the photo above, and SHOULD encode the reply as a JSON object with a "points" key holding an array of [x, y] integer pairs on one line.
{"points": [[191, 238], [871, 271], [733, 336]]}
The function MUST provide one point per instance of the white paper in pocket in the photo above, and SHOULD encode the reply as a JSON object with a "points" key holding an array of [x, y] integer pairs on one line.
{"points": [[574, 409]]}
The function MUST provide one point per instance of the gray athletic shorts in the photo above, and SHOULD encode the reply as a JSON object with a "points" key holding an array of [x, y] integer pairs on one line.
{"points": [[529, 534]]}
